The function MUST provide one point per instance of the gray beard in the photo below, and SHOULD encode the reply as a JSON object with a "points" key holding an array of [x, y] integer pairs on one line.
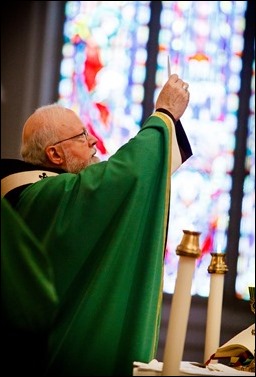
{"points": [[74, 165]]}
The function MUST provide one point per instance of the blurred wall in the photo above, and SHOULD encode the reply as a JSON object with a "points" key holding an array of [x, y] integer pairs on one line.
{"points": [[31, 36]]}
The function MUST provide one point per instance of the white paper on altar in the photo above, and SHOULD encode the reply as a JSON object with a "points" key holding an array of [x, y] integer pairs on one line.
{"points": [[154, 368]]}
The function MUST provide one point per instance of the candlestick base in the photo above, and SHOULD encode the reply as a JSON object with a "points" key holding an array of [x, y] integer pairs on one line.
{"points": [[218, 265], [189, 246]]}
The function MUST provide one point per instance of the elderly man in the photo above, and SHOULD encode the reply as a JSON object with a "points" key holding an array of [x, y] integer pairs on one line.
{"points": [[103, 226]]}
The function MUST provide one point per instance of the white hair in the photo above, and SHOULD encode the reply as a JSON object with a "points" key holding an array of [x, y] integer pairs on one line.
{"points": [[43, 124]]}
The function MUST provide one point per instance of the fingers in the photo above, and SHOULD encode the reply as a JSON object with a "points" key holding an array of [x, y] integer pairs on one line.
{"points": [[185, 86], [174, 96], [180, 84]]}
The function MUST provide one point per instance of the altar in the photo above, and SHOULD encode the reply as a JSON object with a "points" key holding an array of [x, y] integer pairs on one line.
{"points": [[188, 368]]}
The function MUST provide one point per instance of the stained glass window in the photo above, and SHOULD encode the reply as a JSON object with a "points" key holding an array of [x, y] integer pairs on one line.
{"points": [[246, 256], [103, 67], [205, 42], [103, 73]]}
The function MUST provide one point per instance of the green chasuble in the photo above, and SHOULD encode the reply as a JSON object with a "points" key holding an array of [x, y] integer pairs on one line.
{"points": [[104, 230]]}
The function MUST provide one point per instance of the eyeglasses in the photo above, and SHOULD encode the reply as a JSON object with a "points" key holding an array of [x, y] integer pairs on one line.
{"points": [[84, 134]]}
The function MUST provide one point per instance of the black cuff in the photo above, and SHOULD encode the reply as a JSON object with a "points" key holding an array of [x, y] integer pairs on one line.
{"points": [[167, 113]]}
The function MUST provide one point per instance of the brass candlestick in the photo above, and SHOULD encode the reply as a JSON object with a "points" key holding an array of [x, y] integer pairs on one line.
{"points": [[252, 299], [189, 246], [252, 306], [218, 264], [251, 366], [252, 302]]}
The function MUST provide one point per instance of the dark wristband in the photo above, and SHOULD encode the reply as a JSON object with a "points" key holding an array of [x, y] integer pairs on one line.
{"points": [[167, 113]]}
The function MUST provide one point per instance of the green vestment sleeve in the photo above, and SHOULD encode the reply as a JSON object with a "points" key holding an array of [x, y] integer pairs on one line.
{"points": [[104, 230], [28, 297]]}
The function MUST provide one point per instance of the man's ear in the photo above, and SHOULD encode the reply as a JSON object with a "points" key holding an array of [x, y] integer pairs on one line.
{"points": [[54, 155]]}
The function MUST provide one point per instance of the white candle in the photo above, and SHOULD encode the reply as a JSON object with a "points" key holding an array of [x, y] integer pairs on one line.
{"points": [[169, 66], [217, 269], [180, 306], [177, 327]]}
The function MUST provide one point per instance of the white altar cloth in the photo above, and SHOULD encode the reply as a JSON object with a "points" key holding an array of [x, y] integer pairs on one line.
{"points": [[187, 368]]}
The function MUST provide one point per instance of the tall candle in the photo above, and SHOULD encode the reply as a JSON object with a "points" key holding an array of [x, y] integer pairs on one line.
{"points": [[169, 66], [217, 269], [188, 251]]}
